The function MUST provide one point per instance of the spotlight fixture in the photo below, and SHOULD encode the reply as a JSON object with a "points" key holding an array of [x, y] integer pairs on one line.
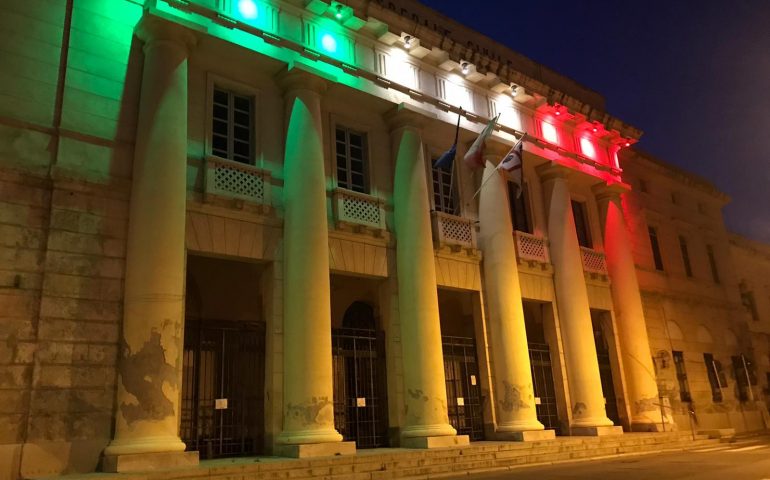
{"points": [[595, 129], [408, 42], [338, 14], [628, 144], [514, 89], [558, 112], [465, 68]]}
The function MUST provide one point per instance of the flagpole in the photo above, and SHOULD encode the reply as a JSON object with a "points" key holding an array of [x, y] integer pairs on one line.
{"points": [[452, 171], [497, 167]]}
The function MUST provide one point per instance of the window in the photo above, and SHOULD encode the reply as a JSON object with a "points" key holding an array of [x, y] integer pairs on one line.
{"points": [[712, 263], [685, 256], [351, 151], [519, 208], [681, 376], [643, 186], [445, 191], [655, 249], [745, 376], [232, 129], [747, 298], [581, 223], [715, 376]]}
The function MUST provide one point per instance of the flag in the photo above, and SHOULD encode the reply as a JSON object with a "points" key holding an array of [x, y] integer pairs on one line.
{"points": [[475, 157], [512, 166], [444, 162]]}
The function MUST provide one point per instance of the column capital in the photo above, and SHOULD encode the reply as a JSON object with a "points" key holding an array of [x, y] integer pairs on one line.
{"points": [[300, 77], [609, 191], [404, 115], [552, 171], [152, 29]]}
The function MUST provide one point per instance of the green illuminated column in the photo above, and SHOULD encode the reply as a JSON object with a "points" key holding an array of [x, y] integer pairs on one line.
{"points": [[634, 348], [514, 395], [426, 420], [150, 363], [585, 387], [308, 410]]}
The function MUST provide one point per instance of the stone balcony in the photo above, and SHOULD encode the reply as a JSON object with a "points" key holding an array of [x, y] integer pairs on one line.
{"points": [[453, 232], [594, 263], [531, 248], [359, 212], [235, 182]]}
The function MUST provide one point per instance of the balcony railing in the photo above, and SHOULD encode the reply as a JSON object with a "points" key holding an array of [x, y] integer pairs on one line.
{"points": [[593, 261], [453, 230], [531, 247], [358, 208], [227, 178]]}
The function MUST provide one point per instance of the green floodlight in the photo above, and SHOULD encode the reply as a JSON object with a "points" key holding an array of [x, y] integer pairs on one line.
{"points": [[248, 9]]}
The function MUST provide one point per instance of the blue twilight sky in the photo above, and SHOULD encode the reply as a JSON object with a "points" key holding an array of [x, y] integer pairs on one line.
{"points": [[694, 75]]}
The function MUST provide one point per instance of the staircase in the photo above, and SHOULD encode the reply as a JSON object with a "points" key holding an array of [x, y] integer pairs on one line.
{"points": [[397, 463]]}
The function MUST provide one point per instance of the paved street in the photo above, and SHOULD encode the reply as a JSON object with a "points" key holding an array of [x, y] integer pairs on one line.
{"points": [[745, 459]]}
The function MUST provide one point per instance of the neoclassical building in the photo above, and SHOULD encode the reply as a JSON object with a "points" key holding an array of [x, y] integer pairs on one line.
{"points": [[223, 234]]}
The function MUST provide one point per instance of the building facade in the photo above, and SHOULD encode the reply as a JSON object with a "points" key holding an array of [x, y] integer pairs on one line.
{"points": [[222, 234]]}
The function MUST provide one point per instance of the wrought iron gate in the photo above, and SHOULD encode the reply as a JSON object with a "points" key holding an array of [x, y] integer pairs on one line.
{"points": [[223, 388], [360, 398], [542, 380], [464, 402]]}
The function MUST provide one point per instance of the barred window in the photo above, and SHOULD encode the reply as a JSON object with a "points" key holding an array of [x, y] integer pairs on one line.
{"points": [[232, 129], [655, 248], [716, 376], [685, 256], [681, 376], [445, 191], [351, 154]]}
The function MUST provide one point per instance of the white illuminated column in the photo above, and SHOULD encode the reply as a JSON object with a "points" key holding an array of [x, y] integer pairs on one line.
{"points": [[585, 388], [515, 411]]}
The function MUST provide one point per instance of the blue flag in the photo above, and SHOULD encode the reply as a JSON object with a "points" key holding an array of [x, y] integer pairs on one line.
{"points": [[445, 161]]}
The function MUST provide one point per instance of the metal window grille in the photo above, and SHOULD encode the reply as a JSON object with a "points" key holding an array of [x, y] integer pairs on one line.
{"points": [[232, 130], [715, 376], [444, 191], [605, 373], [542, 382], [681, 376], [351, 154], [223, 388], [464, 402]]}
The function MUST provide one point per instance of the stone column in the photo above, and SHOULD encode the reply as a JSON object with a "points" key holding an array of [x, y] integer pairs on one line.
{"points": [[641, 385], [514, 394], [150, 364], [585, 388], [426, 423], [308, 389]]}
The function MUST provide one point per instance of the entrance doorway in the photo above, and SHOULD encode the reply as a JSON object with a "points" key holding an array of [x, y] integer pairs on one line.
{"points": [[223, 376], [542, 370], [601, 338], [461, 367], [360, 388]]}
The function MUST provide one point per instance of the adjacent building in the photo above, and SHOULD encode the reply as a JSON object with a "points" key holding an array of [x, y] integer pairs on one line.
{"points": [[222, 234]]}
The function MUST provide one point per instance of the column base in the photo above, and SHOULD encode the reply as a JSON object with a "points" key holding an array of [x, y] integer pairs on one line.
{"points": [[525, 436], [435, 442], [137, 462], [604, 431], [310, 450]]}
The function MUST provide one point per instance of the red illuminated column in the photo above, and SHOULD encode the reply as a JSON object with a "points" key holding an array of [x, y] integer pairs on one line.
{"points": [[629, 317], [585, 389]]}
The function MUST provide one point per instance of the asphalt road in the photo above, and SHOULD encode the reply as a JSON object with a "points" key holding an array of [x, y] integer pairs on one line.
{"points": [[744, 459]]}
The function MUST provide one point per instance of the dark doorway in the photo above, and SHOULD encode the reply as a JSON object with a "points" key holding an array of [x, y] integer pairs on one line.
{"points": [[464, 402], [360, 390], [223, 388], [605, 369], [542, 371]]}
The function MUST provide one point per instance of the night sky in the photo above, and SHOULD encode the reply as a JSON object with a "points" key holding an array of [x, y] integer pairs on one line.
{"points": [[693, 75]]}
